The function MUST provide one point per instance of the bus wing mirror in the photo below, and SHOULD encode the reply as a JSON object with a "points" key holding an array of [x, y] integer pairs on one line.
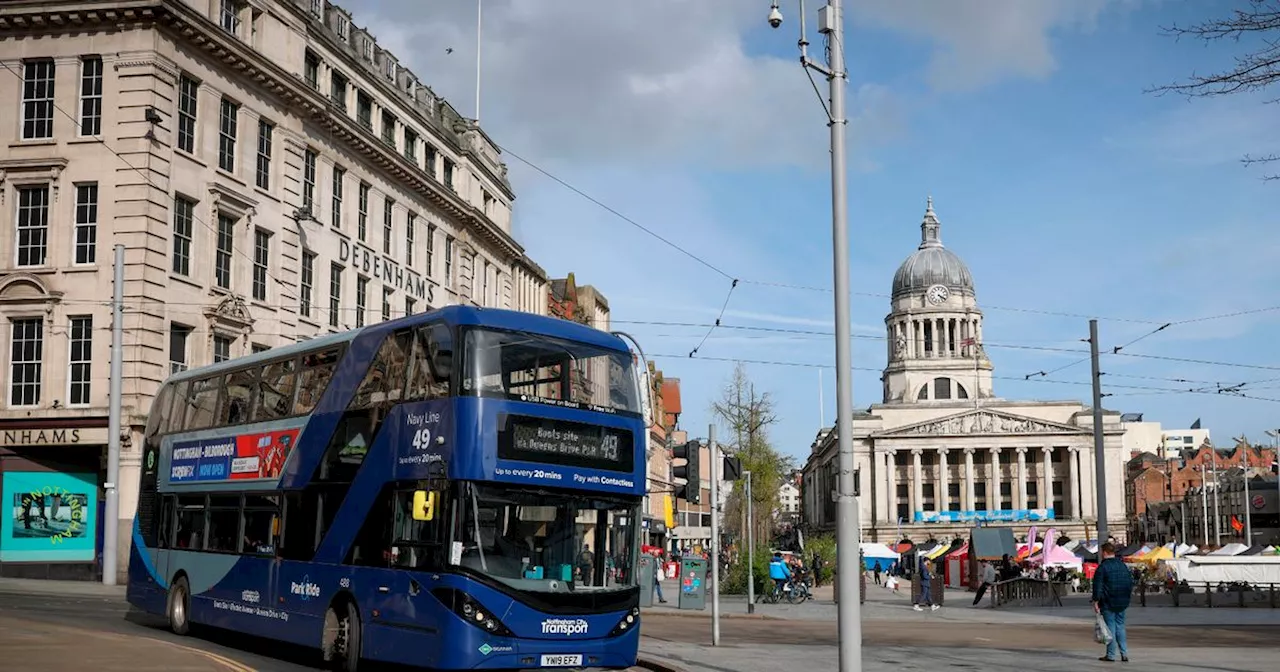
{"points": [[424, 505]]}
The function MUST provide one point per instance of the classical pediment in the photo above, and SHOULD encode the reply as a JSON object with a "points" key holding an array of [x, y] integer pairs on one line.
{"points": [[982, 422]]}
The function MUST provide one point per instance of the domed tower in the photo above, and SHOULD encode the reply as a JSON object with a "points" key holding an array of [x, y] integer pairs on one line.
{"points": [[934, 327]]}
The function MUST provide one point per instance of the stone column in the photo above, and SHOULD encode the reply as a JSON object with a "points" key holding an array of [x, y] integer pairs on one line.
{"points": [[944, 478], [1046, 499], [1020, 495], [994, 502], [1073, 486], [968, 480], [891, 486], [917, 483]]}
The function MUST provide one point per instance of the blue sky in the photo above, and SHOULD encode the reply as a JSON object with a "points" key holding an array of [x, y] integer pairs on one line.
{"points": [[1064, 186]]}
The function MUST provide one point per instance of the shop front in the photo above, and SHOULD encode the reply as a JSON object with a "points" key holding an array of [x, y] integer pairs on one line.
{"points": [[655, 532], [51, 498]]}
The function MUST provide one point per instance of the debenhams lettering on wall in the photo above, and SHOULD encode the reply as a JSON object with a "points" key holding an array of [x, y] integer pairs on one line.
{"points": [[373, 264]]}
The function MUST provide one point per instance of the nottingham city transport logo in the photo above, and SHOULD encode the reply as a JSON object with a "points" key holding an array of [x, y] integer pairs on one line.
{"points": [[564, 626]]}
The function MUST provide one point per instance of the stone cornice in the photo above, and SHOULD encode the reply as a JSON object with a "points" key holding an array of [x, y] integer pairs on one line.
{"points": [[201, 32]]}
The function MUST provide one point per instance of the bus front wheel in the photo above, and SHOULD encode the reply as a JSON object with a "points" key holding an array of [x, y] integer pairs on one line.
{"points": [[341, 645], [180, 606]]}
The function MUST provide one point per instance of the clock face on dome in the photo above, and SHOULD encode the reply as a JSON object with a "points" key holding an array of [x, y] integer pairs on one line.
{"points": [[936, 294]]}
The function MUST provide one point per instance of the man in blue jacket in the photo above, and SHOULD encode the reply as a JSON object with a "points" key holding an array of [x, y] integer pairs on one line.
{"points": [[926, 588], [1112, 591], [779, 572]]}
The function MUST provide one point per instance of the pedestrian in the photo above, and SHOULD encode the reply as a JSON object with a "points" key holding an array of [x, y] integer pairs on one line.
{"points": [[988, 580], [926, 585], [876, 570], [657, 587], [1112, 588]]}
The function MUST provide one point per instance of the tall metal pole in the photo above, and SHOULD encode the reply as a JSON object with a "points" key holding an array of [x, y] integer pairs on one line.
{"points": [[1248, 520], [847, 530], [111, 526], [1204, 501], [1099, 454], [1217, 513], [751, 551], [714, 449]]}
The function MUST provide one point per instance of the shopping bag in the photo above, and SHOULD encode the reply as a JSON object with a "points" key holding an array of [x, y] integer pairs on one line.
{"points": [[1100, 631]]}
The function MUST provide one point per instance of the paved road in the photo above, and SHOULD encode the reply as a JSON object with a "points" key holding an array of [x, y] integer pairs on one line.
{"points": [[105, 634], [97, 630]]}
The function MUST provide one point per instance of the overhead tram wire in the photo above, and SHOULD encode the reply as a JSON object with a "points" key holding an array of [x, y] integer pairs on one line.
{"points": [[1114, 351], [765, 283], [102, 141], [781, 285], [814, 365], [716, 324]]}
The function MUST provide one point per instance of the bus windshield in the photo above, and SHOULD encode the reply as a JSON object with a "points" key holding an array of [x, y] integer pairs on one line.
{"points": [[537, 540], [531, 367]]}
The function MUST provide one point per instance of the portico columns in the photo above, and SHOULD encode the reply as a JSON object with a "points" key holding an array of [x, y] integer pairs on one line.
{"points": [[917, 483], [1020, 496], [891, 486], [944, 497], [994, 495], [968, 480], [1046, 475], [1073, 455]]}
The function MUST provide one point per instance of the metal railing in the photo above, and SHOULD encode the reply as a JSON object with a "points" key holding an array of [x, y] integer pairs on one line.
{"points": [[1025, 591], [1185, 594]]}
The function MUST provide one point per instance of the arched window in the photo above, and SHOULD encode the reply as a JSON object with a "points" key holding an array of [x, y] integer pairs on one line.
{"points": [[941, 388], [961, 393], [924, 393]]}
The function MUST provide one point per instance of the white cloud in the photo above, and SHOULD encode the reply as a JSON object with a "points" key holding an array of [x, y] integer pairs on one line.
{"points": [[979, 42], [656, 81]]}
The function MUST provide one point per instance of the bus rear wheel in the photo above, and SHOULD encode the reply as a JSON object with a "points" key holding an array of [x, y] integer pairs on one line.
{"points": [[341, 645], [180, 606]]}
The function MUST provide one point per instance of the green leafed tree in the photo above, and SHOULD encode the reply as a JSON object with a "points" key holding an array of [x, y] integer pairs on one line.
{"points": [[1255, 28], [744, 416]]}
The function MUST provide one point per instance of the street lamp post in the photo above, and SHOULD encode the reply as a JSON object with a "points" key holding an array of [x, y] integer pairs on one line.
{"points": [[831, 24]]}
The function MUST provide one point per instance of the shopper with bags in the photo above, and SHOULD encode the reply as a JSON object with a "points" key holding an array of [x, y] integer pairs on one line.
{"points": [[1112, 588]]}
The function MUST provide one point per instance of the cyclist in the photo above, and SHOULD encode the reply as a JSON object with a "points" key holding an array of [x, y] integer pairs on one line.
{"points": [[779, 572]]}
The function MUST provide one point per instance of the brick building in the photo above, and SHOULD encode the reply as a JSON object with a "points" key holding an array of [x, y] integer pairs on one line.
{"points": [[1152, 481]]}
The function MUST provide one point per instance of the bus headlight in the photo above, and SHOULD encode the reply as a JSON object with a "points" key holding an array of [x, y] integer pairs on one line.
{"points": [[472, 611], [627, 623]]}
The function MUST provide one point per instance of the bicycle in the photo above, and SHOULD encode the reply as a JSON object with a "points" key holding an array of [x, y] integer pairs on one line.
{"points": [[798, 591]]}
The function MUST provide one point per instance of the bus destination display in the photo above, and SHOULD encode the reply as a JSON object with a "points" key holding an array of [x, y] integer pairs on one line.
{"points": [[567, 443]]}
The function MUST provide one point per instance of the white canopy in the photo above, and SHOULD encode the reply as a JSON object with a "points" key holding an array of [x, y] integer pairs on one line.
{"points": [[876, 551], [1230, 549], [1199, 569]]}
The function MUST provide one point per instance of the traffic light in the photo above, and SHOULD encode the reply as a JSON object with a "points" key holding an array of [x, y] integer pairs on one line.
{"points": [[691, 490]]}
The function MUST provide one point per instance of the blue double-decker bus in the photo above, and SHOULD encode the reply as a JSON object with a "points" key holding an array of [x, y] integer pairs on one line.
{"points": [[458, 489]]}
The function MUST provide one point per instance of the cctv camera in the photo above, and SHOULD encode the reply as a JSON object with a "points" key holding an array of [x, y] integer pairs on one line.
{"points": [[775, 17]]}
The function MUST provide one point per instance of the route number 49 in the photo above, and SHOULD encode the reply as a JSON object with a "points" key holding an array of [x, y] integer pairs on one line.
{"points": [[422, 439]]}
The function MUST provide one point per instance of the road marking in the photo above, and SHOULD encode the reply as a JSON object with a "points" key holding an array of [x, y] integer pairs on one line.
{"points": [[221, 660]]}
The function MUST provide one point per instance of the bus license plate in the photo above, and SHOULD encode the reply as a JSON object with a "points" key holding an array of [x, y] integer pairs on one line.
{"points": [[562, 660]]}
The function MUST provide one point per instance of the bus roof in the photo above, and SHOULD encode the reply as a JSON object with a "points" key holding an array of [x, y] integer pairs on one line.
{"points": [[454, 315]]}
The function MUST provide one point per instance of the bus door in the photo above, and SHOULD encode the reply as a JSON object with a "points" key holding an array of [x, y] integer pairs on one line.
{"points": [[417, 549]]}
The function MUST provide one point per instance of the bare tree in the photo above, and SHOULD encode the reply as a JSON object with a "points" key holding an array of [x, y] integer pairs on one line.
{"points": [[747, 416], [1255, 70]]}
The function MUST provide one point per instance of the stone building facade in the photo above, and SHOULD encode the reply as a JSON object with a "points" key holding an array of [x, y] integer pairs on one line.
{"points": [[273, 174], [942, 452]]}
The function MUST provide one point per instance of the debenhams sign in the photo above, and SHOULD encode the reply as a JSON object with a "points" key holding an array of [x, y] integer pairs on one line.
{"points": [[53, 437], [366, 261]]}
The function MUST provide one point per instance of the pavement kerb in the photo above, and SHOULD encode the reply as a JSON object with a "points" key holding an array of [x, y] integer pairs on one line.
{"points": [[657, 665], [707, 615]]}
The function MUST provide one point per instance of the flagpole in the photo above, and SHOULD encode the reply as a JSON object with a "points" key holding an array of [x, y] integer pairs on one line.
{"points": [[1248, 520]]}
